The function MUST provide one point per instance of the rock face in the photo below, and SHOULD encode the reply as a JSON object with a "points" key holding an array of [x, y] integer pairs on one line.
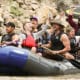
{"points": [[20, 10]]}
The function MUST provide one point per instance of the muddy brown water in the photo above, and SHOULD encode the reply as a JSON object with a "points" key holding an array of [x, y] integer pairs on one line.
{"points": [[60, 77]]}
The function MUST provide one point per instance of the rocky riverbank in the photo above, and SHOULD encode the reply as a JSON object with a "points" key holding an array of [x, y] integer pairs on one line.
{"points": [[19, 11]]}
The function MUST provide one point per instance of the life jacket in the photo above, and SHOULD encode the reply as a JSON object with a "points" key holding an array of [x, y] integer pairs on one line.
{"points": [[29, 42]]}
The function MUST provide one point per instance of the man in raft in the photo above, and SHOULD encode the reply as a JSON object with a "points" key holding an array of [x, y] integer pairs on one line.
{"points": [[59, 42]]}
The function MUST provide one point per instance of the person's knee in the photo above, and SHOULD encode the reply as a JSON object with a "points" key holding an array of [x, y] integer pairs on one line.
{"points": [[68, 56], [33, 49]]}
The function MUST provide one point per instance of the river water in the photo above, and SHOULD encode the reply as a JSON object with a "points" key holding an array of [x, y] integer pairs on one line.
{"points": [[60, 77]]}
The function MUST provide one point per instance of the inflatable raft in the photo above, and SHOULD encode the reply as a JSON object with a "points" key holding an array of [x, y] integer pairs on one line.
{"points": [[13, 58]]}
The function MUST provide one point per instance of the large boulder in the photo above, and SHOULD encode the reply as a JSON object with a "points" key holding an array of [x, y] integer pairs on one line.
{"points": [[45, 12], [20, 1]]}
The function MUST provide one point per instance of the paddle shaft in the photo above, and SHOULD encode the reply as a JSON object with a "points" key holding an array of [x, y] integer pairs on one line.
{"points": [[72, 61], [51, 51]]}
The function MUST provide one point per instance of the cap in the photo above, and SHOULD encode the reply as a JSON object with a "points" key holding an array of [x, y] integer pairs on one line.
{"points": [[33, 18], [10, 24]]}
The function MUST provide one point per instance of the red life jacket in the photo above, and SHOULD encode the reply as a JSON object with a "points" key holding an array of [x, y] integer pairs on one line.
{"points": [[29, 42]]}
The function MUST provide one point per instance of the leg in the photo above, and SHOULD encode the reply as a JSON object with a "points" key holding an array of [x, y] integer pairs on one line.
{"points": [[68, 56], [33, 49]]}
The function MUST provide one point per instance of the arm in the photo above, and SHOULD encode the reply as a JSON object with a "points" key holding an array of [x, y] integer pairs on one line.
{"points": [[66, 42], [71, 22], [37, 35], [15, 39], [77, 41], [47, 45]]}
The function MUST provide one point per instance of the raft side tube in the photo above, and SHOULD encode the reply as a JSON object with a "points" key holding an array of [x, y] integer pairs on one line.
{"points": [[4, 54], [32, 63], [13, 56], [37, 65]]}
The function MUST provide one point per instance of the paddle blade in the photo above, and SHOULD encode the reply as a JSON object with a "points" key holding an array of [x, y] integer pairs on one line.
{"points": [[75, 63]]}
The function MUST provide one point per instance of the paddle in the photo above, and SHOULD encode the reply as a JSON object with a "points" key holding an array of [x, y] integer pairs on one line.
{"points": [[72, 61]]}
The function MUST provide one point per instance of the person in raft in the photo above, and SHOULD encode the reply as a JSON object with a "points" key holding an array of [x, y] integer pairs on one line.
{"points": [[10, 38], [28, 38], [59, 42]]}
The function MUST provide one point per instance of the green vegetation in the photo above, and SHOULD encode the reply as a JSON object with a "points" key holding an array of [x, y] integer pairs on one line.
{"points": [[15, 11]]}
